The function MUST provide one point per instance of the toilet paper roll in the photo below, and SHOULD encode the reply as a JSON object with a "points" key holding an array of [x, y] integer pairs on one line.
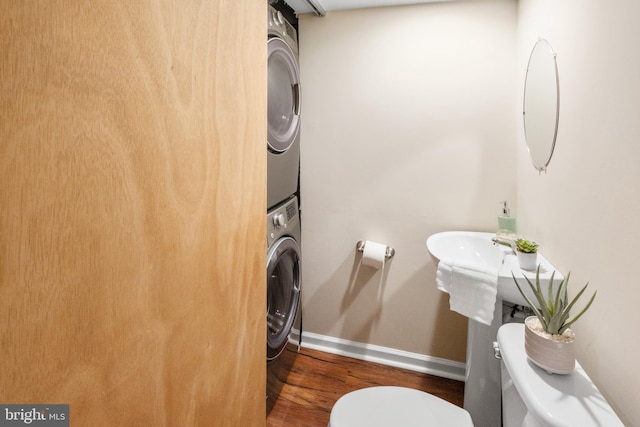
{"points": [[373, 254]]}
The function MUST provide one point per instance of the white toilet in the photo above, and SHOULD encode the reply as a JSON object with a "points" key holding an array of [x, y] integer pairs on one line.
{"points": [[396, 406], [531, 398]]}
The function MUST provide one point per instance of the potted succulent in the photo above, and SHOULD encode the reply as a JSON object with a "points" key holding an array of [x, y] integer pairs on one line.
{"points": [[527, 252], [549, 340]]}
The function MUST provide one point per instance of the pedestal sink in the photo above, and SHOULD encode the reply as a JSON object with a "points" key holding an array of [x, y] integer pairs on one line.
{"points": [[482, 391]]}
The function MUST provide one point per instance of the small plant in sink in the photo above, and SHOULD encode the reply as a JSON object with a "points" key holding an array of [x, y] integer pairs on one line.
{"points": [[548, 337], [527, 252]]}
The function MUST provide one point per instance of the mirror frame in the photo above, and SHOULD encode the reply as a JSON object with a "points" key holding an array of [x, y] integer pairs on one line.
{"points": [[542, 44]]}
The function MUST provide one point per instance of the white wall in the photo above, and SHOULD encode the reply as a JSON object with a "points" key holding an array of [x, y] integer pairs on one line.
{"points": [[408, 129], [586, 210]]}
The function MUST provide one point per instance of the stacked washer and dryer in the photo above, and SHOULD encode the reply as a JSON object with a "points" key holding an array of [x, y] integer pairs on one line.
{"points": [[283, 215]]}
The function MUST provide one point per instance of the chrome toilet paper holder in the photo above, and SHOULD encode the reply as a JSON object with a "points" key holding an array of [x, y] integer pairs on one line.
{"points": [[389, 253]]}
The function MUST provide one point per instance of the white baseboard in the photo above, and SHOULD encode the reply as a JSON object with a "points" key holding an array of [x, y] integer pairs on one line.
{"points": [[384, 355]]}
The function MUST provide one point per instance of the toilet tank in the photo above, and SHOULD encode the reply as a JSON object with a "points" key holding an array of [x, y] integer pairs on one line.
{"points": [[533, 398], [514, 411]]}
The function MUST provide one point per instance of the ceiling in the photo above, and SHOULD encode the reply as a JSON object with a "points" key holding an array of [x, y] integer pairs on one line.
{"points": [[319, 7]]}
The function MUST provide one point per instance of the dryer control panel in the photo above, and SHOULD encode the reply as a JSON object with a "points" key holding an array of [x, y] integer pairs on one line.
{"points": [[278, 26], [282, 219]]}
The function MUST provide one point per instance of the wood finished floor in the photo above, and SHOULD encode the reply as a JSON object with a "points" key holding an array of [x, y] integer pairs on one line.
{"points": [[317, 380]]}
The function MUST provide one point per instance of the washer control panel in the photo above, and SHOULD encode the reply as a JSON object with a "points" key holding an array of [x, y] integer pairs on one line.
{"points": [[281, 219], [279, 27]]}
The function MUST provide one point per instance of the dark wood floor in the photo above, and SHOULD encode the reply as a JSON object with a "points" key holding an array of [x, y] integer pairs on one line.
{"points": [[317, 380]]}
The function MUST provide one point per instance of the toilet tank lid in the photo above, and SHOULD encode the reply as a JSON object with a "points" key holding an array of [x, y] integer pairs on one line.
{"points": [[553, 400]]}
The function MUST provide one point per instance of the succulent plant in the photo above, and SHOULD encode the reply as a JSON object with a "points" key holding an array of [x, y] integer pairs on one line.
{"points": [[554, 309], [527, 246]]}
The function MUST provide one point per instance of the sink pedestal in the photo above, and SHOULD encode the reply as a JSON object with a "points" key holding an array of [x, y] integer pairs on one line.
{"points": [[482, 389]]}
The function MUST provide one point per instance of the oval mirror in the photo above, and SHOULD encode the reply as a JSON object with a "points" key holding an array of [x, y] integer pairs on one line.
{"points": [[541, 104]]}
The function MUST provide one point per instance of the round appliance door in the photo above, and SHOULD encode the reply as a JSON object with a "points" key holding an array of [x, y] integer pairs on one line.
{"points": [[283, 111], [283, 293]]}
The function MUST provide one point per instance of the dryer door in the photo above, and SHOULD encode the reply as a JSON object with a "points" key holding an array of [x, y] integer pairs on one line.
{"points": [[283, 293], [284, 96]]}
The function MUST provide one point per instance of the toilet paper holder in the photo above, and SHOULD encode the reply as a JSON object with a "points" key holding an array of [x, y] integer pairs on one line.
{"points": [[389, 253]]}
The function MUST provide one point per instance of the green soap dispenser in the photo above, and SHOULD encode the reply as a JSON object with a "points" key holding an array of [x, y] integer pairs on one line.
{"points": [[506, 222]]}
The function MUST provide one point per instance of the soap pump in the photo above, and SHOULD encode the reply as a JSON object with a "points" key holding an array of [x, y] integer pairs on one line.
{"points": [[506, 222]]}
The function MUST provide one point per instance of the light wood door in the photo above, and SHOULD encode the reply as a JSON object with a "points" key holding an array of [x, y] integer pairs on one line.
{"points": [[132, 220]]}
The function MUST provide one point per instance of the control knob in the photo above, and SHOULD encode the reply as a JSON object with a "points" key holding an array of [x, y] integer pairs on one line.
{"points": [[278, 220]]}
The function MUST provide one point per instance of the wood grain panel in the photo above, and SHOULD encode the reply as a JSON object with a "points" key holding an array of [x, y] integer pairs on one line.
{"points": [[132, 227]]}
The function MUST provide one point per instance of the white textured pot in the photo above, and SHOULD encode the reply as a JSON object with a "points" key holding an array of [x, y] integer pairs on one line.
{"points": [[556, 354], [527, 261]]}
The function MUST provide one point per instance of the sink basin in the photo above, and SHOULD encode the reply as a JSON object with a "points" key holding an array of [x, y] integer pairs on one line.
{"points": [[474, 247], [468, 247]]}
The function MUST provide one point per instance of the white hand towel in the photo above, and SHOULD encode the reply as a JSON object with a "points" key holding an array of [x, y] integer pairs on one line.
{"points": [[472, 288], [444, 275]]}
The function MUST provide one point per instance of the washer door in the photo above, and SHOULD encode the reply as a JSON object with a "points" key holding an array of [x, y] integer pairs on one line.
{"points": [[283, 293], [284, 96]]}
